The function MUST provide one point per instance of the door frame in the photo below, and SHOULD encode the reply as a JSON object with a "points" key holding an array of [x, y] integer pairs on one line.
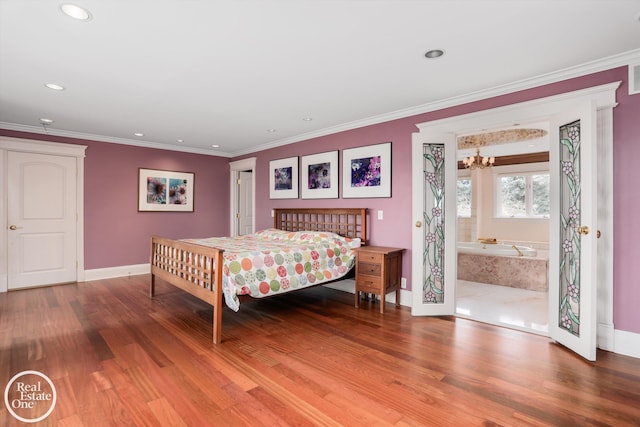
{"points": [[248, 164], [48, 148], [540, 109]]}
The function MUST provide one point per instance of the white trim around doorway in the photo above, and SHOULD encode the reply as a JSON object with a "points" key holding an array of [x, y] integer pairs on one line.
{"points": [[535, 110], [248, 164]]}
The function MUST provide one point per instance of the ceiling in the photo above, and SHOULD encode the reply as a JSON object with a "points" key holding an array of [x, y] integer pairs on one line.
{"points": [[245, 74]]}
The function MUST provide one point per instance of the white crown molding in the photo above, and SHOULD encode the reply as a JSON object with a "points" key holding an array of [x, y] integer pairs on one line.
{"points": [[602, 64], [544, 79], [113, 140]]}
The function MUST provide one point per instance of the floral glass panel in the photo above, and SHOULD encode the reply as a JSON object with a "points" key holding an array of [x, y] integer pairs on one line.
{"points": [[433, 218], [569, 318]]}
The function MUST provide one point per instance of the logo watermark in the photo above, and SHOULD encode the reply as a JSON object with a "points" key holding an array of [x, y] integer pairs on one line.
{"points": [[30, 396]]}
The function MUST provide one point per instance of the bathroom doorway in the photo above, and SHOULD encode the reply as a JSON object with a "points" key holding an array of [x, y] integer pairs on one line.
{"points": [[503, 209], [590, 112]]}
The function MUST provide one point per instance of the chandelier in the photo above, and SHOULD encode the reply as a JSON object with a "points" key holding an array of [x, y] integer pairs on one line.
{"points": [[477, 162]]}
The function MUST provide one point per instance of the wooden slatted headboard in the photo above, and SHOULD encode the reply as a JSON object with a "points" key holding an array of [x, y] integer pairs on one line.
{"points": [[347, 222]]}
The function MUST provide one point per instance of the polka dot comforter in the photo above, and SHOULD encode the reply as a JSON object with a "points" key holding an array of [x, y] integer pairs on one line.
{"points": [[274, 261]]}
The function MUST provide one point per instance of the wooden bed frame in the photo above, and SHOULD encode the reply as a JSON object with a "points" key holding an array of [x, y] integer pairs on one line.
{"points": [[195, 268]]}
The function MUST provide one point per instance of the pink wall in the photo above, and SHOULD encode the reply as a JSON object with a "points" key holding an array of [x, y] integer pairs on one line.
{"points": [[395, 228], [116, 234]]}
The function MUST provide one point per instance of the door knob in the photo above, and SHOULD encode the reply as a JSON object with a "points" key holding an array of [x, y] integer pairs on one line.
{"points": [[583, 229], [13, 227], [418, 224]]}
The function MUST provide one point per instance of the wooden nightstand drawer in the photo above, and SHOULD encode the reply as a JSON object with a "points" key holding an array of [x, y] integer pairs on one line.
{"points": [[369, 269], [369, 284], [370, 257]]}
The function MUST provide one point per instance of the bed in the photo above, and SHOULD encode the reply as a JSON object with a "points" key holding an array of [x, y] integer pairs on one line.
{"points": [[222, 270]]}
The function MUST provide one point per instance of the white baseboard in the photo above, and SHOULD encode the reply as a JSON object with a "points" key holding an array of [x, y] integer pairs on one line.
{"points": [[627, 343], [110, 272]]}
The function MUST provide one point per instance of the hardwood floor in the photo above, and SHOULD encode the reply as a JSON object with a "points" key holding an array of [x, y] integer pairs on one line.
{"points": [[117, 358]]}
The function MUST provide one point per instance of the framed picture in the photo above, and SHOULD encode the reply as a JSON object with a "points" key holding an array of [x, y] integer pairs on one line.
{"points": [[283, 178], [366, 171], [165, 191], [320, 176]]}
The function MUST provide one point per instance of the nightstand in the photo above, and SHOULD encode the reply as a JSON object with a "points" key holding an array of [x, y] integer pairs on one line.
{"points": [[378, 271]]}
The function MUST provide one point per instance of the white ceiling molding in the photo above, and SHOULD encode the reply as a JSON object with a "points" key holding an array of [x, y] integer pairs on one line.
{"points": [[603, 64]]}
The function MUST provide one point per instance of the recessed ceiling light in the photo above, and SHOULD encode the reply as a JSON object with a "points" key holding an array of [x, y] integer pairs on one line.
{"points": [[180, 140], [434, 53], [215, 146], [76, 12], [46, 121], [307, 119], [54, 86], [138, 134], [271, 130]]}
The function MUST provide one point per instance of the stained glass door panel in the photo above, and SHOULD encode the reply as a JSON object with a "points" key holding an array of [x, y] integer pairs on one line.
{"points": [[572, 263], [435, 169], [434, 224], [569, 196]]}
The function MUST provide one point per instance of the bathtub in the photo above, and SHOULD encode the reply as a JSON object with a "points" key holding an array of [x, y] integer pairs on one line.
{"points": [[500, 264], [495, 249]]}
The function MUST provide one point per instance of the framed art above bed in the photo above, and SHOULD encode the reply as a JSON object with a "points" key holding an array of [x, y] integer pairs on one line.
{"points": [[320, 176], [366, 171], [283, 178]]}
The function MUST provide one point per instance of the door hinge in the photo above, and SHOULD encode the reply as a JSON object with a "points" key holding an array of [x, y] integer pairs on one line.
{"points": [[238, 182], [238, 215]]}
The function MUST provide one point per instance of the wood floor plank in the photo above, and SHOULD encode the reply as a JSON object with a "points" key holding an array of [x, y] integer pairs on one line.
{"points": [[118, 357], [165, 414]]}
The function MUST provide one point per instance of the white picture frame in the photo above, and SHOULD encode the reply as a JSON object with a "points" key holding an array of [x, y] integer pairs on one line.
{"points": [[319, 176], [366, 171], [283, 178], [165, 191]]}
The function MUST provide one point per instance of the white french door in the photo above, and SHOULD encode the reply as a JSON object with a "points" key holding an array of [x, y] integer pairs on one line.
{"points": [[573, 232], [434, 231]]}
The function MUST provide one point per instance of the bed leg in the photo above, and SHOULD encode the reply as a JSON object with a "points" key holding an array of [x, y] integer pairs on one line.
{"points": [[217, 308], [217, 325], [152, 286]]}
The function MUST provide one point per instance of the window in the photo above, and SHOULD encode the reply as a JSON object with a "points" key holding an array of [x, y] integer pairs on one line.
{"points": [[523, 195], [464, 197]]}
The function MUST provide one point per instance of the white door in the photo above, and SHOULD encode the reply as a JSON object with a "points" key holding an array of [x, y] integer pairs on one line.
{"points": [[41, 200], [573, 226], [573, 230], [245, 203], [434, 232]]}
